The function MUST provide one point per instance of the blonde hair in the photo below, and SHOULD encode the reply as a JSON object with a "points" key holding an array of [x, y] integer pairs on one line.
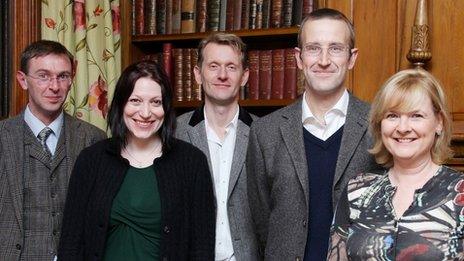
{"points": [[404, 91]]}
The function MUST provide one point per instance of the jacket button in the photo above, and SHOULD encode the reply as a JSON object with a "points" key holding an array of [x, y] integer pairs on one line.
{"points": [[304, 223], [18, 246], [166, 230]]}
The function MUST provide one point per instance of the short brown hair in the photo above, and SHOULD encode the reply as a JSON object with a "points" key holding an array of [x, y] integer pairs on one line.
{"points": [[403, 91], [224, 39], [327, 13], [42, 48]]}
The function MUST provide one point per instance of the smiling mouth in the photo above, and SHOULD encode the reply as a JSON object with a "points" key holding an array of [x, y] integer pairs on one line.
{"points": [[143, 123], [404, 140]]}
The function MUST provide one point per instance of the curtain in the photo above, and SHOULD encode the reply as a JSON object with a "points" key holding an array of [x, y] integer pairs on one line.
{"points": [[90, 30]]}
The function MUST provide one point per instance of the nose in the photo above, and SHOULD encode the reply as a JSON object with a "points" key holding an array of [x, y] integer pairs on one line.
{"points": [[324, 58], [222, 73], [403, 124], [145, 111], [53, 85]]}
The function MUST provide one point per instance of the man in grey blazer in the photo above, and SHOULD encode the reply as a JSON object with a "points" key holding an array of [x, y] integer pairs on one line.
{"points": [[37, 153], [220, 129], [300, 157]]}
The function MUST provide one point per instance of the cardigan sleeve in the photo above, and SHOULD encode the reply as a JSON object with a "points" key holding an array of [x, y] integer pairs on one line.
{"points": [[72, 234], [339, 229], [203, 212]]}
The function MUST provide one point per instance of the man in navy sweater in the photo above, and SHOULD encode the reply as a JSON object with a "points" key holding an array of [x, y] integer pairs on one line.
{"points": [[301, 157]]}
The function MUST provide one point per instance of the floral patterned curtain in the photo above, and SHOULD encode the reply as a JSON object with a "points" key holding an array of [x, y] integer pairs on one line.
{"points": [[90, 29]]}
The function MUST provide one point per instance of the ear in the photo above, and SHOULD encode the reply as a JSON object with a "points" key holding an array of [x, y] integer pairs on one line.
{"points": [[246, 74], [299, 62], [439, 128], [352, 61], [21, 78], [197, 73]]}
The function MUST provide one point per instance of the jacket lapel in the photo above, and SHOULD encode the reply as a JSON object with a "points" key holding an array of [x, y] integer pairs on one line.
{"points": [[239, 156], [292, 134], [354, 129], [72, 135], [197, 136]]}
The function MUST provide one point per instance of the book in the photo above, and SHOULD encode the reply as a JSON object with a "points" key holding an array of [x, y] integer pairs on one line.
{"points": [[245, 21], [308, 7], [150, 17], [222, 15], [278, 63], [187, 74], [266, 17], [187, 17], [259, 14], [253, 78], [297, 12], [230, 15], [287, 10], [176, 16], [161, 16], [276, 14], [139, 21], [169, 16], [265, 74], [253, 14], [167, 61], [196, 88], [178, 84], [290, 74], [201, 15], [237, 15], [214, 7]]}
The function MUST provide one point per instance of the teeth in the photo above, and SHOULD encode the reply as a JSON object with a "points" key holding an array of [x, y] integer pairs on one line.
{"points": [[143, 123], [404, 140]]}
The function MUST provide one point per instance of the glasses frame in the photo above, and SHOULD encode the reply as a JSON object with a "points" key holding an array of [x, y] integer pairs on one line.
{"points": [[47, 81], [329, 49]]}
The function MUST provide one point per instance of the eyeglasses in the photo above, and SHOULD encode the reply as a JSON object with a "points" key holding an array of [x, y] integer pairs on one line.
{"points": [[315, 50], [46, 79]]}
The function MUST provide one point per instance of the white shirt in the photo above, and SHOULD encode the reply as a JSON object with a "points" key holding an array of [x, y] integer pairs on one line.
{"points": [[334, 118], [221, 154], [36, 126]]}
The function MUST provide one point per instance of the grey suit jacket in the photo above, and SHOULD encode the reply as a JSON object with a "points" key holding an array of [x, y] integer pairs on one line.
{"points": [[78, 135], [278, 188], [191, 128]]}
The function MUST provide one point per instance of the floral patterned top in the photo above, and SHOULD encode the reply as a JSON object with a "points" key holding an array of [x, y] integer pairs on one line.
{"points": [[432, 228]]}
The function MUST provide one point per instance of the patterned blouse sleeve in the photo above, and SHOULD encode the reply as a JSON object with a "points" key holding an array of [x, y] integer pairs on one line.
{"points": [[339, 230]]}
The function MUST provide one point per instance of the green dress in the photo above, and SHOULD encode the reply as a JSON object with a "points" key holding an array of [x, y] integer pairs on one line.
{"points": [[135, 221]]}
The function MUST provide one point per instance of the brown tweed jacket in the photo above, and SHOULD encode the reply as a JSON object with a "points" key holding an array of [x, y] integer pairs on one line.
{"points": [[78, 135]]}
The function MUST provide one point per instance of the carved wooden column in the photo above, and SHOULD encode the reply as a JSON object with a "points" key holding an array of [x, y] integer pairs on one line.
{"points": [[420, 53]]}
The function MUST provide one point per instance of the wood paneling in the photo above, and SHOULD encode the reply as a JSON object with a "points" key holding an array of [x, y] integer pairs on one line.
{"points": [[26, 29]]}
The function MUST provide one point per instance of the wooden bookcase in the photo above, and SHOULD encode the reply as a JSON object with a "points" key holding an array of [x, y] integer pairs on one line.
{"points": [[135, 47]]}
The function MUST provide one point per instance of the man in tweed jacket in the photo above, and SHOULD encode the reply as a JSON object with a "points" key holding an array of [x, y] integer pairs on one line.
{"points": [[33, 174], [301, 156]]}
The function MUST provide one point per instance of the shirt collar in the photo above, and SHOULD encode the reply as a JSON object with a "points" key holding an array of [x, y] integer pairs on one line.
{"points": [[231, 124], [341, 106], [37, 125]]}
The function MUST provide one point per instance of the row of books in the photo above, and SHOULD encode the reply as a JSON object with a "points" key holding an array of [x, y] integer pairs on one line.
{"points": [[189, 16], [273, 74]]}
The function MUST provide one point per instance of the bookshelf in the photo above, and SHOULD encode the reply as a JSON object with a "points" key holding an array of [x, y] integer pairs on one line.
{"points": [[138, 46]]}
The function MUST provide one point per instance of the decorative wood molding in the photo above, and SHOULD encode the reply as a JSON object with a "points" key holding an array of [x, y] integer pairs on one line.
{"points": [[420, 53], [25, 30]]}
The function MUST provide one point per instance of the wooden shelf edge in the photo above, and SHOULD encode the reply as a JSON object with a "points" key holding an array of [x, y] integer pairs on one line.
{"points": [[192, 36], [244, 103]]}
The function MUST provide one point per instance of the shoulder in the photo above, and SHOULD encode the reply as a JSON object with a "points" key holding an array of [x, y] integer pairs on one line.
{"points": [[94, 151], [277, 117], [183, 149], [184, 118], [85, 127], [358, 106], [13, 121]]}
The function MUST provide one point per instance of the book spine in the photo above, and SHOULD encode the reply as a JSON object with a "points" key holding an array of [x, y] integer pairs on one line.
{"points": [[176, 16], [253, 78], [290, 74], [201, 15], [276, 14], [169, 16], [245, 21], [196, 88], [259, 14], [308, 7], [297, 12], [230, 15], [150, 17], [187, 74], [253, 14], [266, 17], [161, 16], [278, 63], [238, 15], [178, 86], [214, 7], [265, 74], [187, 16], [167, 61], [287, 10], [222, 15]]}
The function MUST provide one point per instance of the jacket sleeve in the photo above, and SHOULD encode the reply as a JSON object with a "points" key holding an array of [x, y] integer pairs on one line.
{"points": [[203, 212], [339, 230], [72, 234], [258, 189]]}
